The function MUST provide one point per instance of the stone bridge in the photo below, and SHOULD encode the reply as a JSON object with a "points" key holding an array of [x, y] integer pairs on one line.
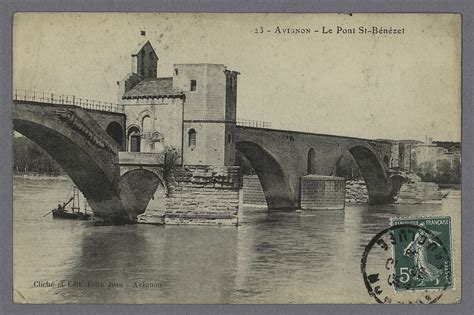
{"points": [[86, 143], [88, 140], [280, 158]]}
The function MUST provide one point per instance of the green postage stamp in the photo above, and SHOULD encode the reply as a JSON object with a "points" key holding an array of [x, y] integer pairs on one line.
{"points": [[422, 253]]}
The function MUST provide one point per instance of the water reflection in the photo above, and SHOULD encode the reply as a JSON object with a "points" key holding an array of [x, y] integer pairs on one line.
{"points": [[281, 253], [154, 265], [276, 257]]}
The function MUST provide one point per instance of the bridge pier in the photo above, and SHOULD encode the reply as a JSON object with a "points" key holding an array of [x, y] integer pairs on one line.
{"points": [[204, 195], [322, 192], [119, 185]]}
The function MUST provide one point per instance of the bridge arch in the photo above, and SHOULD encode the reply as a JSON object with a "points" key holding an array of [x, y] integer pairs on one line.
{"points": [[397, 180], [375, 176], [138, 187], [79, 156], [274, 182], [114, 129]]}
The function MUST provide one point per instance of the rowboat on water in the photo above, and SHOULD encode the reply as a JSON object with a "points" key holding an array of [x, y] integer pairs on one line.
{"points": [[73, 213]]}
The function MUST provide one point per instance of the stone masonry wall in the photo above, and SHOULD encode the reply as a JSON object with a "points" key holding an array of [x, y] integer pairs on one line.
{"points": [[253, 196], [356, 192], [165, 116], [413, 190], [204, 195], [253, 192], [322, 192]]}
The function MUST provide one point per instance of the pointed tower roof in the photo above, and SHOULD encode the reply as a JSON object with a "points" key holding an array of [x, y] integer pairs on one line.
{"points": [[141, 46]]}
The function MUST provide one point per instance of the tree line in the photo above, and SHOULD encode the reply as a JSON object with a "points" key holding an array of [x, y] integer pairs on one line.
{"points": [[30, 158], [444, 172]]}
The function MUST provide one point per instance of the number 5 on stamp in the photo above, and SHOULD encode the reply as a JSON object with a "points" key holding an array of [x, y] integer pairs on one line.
{"points": [[423, 257]]}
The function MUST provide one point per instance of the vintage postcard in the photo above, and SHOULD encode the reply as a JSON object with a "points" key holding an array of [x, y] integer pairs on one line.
{"points": [[175, 158]]}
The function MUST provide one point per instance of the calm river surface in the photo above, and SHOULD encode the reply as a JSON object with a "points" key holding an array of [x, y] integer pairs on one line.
{"points": [[276, 257]]}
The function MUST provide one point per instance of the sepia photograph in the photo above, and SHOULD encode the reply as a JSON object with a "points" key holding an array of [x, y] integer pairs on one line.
{"points": [[236, 158]]}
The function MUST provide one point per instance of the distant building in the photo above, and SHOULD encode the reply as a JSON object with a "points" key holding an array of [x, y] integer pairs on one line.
{"points": [[192, 111], [433, 161], [402, 156]]}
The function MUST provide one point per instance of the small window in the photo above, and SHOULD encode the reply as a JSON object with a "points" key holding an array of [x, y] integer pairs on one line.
{"points": [[176, 71], [193, 85], [229, 138], [192, 138]]}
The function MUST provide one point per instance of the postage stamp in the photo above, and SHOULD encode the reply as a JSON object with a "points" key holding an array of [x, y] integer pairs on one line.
{"points": [[423, 258], [410, 262]]}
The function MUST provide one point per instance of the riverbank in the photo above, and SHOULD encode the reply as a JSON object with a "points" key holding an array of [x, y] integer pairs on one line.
{"points": [[36, 176]]}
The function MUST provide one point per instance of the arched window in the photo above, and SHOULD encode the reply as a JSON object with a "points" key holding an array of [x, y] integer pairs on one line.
{"points": [[191, 138], [229, 138], [134, 139], [147, 125]]}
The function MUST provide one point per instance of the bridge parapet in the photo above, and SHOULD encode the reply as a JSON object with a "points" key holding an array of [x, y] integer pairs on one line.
{"points": [[63, 99], [253, 123]]}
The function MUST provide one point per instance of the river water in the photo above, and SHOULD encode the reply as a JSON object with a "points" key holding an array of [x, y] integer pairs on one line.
{"points": [[273, 257]]}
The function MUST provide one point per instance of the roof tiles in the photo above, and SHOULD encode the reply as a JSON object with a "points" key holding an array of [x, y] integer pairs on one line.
{"points": [[153, 88]]}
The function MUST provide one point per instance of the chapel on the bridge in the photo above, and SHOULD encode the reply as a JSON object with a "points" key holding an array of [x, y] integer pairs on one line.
{"points": [[192, 110]]}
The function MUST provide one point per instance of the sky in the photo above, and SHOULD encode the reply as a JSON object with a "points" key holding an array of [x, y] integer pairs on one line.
{"points": [[402, 86]]}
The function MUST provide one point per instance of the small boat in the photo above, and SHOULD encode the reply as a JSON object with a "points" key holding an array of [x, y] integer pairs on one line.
{"points": [[75, 211]]}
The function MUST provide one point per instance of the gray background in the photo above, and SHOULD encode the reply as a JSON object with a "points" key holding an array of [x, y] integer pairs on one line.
{"points": [[7, 8]]}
